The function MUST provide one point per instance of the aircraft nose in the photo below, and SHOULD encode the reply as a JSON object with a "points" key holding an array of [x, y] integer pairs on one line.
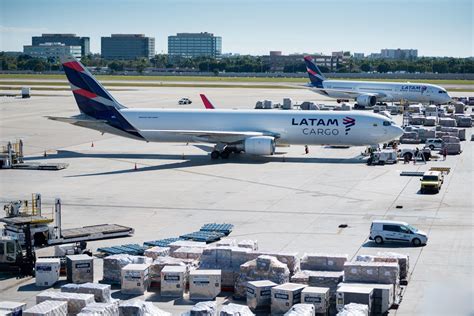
{"points": [[396, 131]]}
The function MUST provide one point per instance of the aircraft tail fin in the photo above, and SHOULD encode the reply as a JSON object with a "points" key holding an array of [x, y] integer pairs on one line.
{"points": [[92, 98], [206, 102], [315, 75]]}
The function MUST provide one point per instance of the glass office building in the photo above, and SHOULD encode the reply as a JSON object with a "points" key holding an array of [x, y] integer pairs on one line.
{"points": [[127, 46], [66, 39], [193, 45]]}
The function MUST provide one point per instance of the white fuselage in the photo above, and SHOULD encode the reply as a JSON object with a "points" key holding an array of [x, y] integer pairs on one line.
{"points": [[290, 127], [391, 91]]}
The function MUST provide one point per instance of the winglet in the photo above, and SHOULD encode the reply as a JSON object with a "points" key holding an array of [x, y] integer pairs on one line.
{"points": [[206, 102]]}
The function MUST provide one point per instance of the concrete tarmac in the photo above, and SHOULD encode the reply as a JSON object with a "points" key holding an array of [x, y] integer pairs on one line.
{"points": [[288, 202]]}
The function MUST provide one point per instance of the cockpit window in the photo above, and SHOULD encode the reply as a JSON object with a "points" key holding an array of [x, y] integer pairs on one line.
{"points": [[387, 123], [441, 91]]}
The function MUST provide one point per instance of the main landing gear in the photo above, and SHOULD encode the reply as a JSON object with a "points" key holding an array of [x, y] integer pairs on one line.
{"points": [[223, 152]]}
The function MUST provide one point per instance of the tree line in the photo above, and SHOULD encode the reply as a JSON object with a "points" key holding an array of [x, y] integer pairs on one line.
{"points": [[250, 64]]}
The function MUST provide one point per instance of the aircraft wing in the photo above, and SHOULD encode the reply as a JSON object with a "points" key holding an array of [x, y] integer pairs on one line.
{"points": [[353, 93], [226, 137]]}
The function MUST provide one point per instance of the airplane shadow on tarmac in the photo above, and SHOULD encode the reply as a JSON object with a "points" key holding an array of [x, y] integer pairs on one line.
{"points": [[187, 161]]}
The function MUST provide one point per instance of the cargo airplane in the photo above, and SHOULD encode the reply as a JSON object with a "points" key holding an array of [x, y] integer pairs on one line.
{"points": [[251, 131], [368, 93]]}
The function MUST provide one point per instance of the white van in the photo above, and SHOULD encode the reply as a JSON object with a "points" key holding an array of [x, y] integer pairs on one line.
{"points": [[382, 231]]}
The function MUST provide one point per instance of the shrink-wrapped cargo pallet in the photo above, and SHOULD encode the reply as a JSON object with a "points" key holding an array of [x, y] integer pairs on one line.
{"points": [[329, 279], [402, 259], [48, 308], [203, 309], [140, 308], [323, 262], [262, 268], [75, 301], [235, 310], [159, 263], [284, 296], [155, 252], [101, 292], [447, 122], [250, 244], [13, 308], [226, 242], [100, 309], [354, 309], [372, 272], [186, 243], [193, 253], [113, 266], [301, 310], [302, 277]]}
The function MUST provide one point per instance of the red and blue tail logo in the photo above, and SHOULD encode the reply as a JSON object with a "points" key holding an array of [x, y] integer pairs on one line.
{"points": [[92, 98], [315, 75], [348, 123]]}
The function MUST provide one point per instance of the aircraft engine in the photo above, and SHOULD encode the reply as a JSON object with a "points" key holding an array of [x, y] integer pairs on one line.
{"points": [[366, 100], [259, 145]]}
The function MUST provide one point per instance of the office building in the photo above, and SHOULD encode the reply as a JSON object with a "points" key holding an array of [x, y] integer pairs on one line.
{"points": [[52, 50], [127, 46], [278, 61], [66, 39], [194, 44], [359, 56], [399, 53]]}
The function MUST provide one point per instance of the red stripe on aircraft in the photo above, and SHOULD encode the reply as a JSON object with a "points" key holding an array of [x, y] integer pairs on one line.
{"points": [[74, 65], [85, 93]]}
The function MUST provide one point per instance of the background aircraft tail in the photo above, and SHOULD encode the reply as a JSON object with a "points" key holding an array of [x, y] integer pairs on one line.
{"points": [[315, 75], [92, 98]]}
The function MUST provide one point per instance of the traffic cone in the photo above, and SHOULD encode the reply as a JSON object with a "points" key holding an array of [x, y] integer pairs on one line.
{"points": [[92, 145]]}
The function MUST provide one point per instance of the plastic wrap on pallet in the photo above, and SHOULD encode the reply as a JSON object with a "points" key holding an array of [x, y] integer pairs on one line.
{"points": [[452, 148], [187, 253], [75, 302], [47, 308], [354, 309], [447, 122], [102, 309], [203, 309], [155, 252], [262, 268], [160, 262], [250, 244], [114, 264], [302, 276], [11, 308], [186, 243], [140, 308], [372, 272], [329, 279], [301, 309], [291, 259], [323, 262], [235, 310], [402, 259], [101, 292], [226, 242]]}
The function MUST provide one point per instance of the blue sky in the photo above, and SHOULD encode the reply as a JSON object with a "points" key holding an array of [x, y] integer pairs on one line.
{"points": [[435, 28]]}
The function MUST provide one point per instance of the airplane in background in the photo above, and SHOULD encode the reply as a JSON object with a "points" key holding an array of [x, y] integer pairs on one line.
{"points": [[368, 93], [252, 131]]}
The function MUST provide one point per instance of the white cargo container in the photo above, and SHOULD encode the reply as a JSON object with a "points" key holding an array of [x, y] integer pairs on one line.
{"points": [[259, 294], [13, 308], [285, 296], [135, 278], [47, 271], [318, 296], [383, 296], [204, 284], [348, 293], [47, 308], [80, 268], [173, 281]]}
